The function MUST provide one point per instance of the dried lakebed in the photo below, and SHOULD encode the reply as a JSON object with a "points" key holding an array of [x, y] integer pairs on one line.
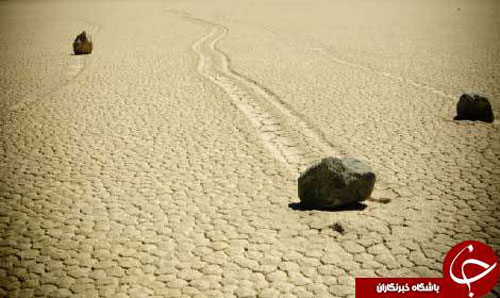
{"points": [[284, 132], [75, 66]]}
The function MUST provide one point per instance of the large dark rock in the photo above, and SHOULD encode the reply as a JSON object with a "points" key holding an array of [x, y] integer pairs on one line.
{"points": [[82, 44], [334, 182], [474, 107]]}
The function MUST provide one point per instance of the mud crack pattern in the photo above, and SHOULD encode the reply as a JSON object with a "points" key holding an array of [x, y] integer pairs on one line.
{"points": [[288, 137], [152, 173]]}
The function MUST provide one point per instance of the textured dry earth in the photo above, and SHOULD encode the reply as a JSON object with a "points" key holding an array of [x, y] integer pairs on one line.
{"points": [[165, 163]]}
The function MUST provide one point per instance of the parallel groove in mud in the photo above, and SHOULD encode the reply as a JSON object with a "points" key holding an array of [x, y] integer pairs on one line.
{"points": [[285, 134]]}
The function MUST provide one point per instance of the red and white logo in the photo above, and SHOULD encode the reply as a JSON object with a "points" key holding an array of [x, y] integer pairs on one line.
{"points": [[472, 268]]}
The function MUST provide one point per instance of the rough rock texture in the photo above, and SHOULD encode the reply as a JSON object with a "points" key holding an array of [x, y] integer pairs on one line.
{"points": [[334, 182], [82, 44], [474, 107]]}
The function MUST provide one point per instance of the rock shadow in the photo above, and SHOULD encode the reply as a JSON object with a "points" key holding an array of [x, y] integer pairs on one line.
{"points": [[355, 206]]}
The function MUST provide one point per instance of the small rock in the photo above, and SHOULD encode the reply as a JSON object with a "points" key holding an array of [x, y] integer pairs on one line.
{"points": [[474, 107], [334, 182], [82, 44], [337, 227]]}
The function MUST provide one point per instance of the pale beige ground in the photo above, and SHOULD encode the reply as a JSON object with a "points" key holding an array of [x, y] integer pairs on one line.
{"points": [[159, 165]]}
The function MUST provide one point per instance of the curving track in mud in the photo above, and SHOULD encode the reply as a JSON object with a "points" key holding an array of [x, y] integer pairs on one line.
{"points": [[285, 134], [283, 131]]}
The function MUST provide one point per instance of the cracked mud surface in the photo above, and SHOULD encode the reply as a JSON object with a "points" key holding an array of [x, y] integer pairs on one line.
{"points": [[289, 138], [164, 164]]}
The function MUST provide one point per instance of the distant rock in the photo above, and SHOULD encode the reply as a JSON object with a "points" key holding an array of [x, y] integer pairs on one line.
{"points": [[334, 182], [82, 44], [474, 107]]}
